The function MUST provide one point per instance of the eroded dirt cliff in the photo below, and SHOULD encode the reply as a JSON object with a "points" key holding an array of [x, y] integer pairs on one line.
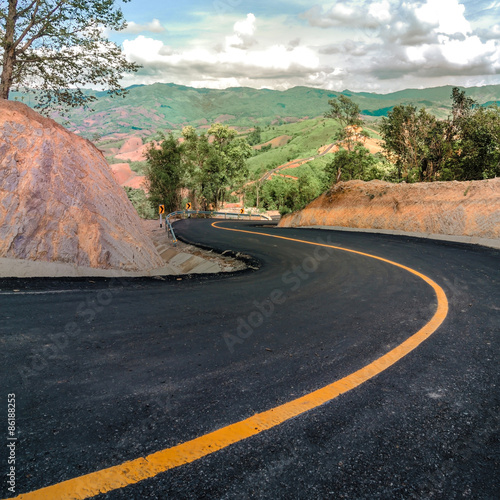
{"points": [[450, 208], [59, 200]]}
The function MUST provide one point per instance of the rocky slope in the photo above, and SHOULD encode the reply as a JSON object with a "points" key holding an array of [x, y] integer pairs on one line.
{"points": [[59, 200], [449, 208]]}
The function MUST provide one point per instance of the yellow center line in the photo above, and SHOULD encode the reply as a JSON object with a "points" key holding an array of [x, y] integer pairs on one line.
{"points": [[133, 471]]}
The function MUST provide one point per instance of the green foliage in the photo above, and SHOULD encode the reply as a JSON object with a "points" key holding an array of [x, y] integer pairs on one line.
{"points": [[141, 203], [415, 140], [349, 165], [111, 143], [209, 165], [280, 194], [57, 48], [476, 141], [265, 148], [347, 113], [288, 195], [466, 146], [310, 186], [214, 168], [254, 137], [164, 174]]}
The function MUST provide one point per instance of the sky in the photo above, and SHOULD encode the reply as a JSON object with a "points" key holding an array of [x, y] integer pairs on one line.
{"points": [[361, 45]]}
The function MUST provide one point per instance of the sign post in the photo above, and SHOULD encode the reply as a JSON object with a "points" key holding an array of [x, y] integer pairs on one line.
{"points": [[161, 211]]}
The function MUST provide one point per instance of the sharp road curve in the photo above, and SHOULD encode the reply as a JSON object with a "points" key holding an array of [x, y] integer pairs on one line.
{"points": [[339, 365]]}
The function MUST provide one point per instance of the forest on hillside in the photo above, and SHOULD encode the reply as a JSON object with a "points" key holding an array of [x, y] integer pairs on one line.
{"points": [[219, 165]]}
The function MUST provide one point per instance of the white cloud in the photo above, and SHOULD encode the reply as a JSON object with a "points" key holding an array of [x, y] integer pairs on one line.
{"points": [[235, 61], [357, 44], [380, 11], [448, 15], [390, 40], [243, 36], [153, 27], [340, 15]]}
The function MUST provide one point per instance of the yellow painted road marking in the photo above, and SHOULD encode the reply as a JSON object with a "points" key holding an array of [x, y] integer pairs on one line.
{"points": [[137, 470]]}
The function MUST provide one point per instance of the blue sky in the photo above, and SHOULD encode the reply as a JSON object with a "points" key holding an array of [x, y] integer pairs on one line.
{"points": [[363, 45]]}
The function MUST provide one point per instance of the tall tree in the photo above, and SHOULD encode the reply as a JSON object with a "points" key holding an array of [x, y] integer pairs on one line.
{"points": [[57, 47], [466, 146], [164, 174], [347, 113], [415, 141], [476, 147]]}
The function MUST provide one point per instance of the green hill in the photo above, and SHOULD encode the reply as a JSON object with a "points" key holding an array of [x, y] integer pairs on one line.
{"points": [[149, 108]]}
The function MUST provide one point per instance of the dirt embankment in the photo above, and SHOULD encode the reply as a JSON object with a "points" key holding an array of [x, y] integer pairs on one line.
{"points": [[445, 208], [59, 201]]}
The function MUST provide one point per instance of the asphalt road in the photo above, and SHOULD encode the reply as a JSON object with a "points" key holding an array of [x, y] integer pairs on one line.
{"points": [[107, 371]]}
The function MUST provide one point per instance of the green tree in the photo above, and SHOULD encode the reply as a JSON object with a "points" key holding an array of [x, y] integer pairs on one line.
{"points": [[254, 137], [356, 164], [476, 151], [464, 147], [347, 113], [195, 156], [57, 47], [416, 142], [400, 134], [280, 194], [474, 133], [164, 174], [310, 186], [216, 163], [462, 106]]}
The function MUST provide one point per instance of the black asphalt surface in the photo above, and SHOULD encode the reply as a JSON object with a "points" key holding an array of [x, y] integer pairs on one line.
{"points": [[106, 371]]}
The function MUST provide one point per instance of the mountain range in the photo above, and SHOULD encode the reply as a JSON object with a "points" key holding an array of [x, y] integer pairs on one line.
{"points": [[147, 109]]}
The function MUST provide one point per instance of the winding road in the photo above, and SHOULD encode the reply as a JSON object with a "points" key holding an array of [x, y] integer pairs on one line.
{"points": [[339, 365]]}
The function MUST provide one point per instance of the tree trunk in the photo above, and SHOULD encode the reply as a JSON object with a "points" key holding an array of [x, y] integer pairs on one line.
{"points": [[9, 55], [7, 72]]}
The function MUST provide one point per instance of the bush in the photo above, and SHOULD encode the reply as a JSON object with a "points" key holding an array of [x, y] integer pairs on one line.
{"points": [[140, 202]]}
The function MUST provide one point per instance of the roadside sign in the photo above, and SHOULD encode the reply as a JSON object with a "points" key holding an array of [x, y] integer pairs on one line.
{"points": [[161, 210], [242, 211], [188, 206]]}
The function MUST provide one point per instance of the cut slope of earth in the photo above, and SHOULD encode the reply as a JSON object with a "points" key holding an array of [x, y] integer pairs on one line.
{"points": [[449, 208], [59, 201]]}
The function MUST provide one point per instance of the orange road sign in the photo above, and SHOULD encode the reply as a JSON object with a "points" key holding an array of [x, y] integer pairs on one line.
{"points": [[161, 209], [188, 206]]}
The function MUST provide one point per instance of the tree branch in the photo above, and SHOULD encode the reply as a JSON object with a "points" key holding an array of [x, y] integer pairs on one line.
{"points": [[32, 23]]}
